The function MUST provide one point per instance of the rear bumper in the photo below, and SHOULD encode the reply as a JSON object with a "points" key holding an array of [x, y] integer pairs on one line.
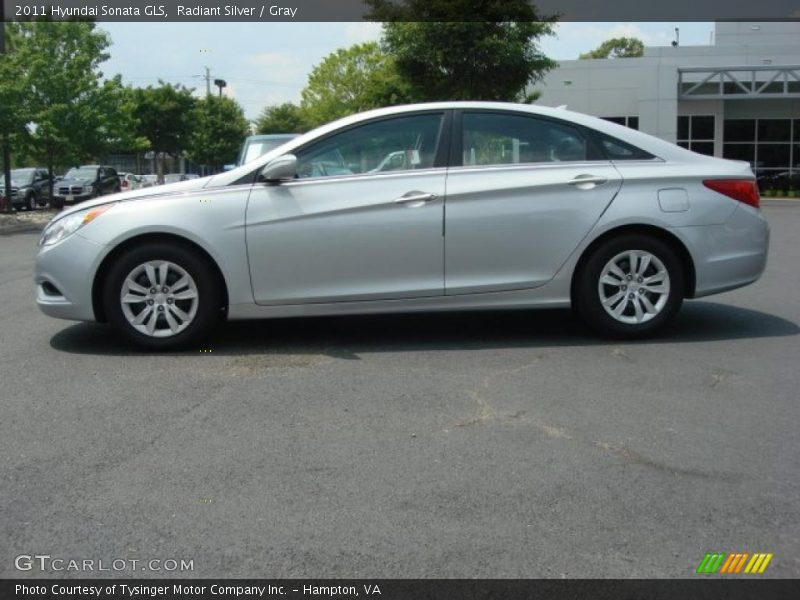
{"points": [[728, 256]]}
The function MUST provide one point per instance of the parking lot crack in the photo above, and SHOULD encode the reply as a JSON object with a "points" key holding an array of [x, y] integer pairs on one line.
{"points": [[484, 411]]}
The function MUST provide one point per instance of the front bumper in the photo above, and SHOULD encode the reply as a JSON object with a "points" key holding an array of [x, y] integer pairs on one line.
{"points": [[64, 277], [74, 199]]}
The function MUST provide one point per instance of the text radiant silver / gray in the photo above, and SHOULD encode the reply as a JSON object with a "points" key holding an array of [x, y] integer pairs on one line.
{"points": [[416, 208]]}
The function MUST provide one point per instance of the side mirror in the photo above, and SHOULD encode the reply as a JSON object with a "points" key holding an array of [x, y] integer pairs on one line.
{"points": [[280, 169]]}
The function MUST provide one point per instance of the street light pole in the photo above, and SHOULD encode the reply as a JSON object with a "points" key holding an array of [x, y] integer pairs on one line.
{"points": [[220, 83]]}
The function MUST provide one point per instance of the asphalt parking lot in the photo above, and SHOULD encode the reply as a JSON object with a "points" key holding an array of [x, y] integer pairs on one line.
{"points": [[462, 445]]}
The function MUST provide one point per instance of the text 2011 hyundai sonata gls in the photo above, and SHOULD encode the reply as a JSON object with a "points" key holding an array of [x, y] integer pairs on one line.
{"points": [[427, 207]]}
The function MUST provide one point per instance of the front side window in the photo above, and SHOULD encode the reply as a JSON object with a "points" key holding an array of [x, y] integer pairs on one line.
{"points": [[501, 139], [397, 144]]}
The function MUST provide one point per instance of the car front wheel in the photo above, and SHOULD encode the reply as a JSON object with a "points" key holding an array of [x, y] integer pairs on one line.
{"points": [[629, 287], [31, 203], [162, 296]]}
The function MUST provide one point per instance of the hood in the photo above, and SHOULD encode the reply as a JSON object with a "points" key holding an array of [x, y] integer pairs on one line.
{"points": [[140, 194], [14, 184], [73, 181]]}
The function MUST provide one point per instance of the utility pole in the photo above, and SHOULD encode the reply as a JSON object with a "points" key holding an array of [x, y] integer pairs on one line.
{"points": [[208, 81]]}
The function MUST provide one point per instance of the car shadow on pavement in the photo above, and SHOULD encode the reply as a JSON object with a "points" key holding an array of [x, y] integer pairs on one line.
{"points": [[347, 336]]}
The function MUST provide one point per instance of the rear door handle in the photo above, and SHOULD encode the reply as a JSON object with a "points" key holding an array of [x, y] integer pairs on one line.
{"points": [[414, 199], [587, 182]]}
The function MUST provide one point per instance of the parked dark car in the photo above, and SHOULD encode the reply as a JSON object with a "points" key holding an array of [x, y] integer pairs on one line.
{"points": [[30, 187], [83, 183]]}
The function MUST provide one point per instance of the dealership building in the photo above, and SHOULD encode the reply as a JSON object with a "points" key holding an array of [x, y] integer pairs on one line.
{"points": [[738, 98]]}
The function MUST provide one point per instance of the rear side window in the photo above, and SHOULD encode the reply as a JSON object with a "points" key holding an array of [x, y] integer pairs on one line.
{"points": [[507, 139], [618, 150]]}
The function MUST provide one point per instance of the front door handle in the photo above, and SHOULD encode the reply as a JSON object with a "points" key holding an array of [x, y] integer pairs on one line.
{"points": [[415, 199], [588, 182]]}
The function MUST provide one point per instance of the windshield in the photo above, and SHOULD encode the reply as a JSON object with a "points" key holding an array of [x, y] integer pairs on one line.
{"points": [[81, 174], [23, 176]]}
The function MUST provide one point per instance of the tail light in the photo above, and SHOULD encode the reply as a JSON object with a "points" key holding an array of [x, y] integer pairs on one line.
{"points": [[743, 190], [125, 183]]}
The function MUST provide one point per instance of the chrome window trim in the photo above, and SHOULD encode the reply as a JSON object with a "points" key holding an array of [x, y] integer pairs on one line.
{"points": [[359, 176], [529, 166]]}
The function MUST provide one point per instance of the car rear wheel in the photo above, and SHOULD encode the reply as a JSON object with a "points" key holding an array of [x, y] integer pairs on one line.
{"points": [[162, 296], [629, 287]]}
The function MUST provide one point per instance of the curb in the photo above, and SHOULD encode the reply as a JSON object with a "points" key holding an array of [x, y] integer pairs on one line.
{"points": [[26, 228]]}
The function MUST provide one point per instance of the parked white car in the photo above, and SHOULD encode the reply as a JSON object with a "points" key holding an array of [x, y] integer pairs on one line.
{"points": [[129, 182]]}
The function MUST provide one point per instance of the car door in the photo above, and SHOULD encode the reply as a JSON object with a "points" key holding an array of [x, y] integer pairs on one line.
{"points": [[101, 188], [112, 180], [42, 185], [523, 194], [348, 228]]}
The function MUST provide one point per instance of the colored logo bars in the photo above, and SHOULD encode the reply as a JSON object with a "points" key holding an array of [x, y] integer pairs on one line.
{"points": [[720, 562]]}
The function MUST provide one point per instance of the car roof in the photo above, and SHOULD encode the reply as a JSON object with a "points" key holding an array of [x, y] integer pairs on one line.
{"points": [[271, 136]]}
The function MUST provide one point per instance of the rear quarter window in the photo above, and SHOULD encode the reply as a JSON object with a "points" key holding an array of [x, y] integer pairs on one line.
{"points": [[615, 149]]}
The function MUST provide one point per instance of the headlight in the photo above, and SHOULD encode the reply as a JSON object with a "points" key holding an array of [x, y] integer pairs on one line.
{"points": [[63, 227], [87, 189]]}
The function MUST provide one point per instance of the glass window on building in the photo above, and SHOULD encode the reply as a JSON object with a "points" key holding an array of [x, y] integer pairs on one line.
{"points": [[774, 130], [696, 133], [739, 130], [770, 145]]}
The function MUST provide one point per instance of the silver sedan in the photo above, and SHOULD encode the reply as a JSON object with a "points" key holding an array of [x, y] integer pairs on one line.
{"points": [[446, 206]]}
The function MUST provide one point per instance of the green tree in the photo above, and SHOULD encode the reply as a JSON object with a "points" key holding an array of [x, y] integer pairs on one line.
{"points": [[282, 118], [116, 128], [351, 80], [220, 127], [71, 113], [164, 116], [621, 47], [14, 113], [493, 56]]}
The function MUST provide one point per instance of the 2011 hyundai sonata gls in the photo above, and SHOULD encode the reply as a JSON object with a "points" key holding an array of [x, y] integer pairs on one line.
{"points": [[416, 208]]}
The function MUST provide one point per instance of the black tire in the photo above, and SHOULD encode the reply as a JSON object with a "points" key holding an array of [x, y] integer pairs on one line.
{"points": [[586, 298], [30, 202], [208, 292]]}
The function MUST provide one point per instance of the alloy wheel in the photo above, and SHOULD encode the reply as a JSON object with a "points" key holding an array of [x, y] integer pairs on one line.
{"points": [[159, 298], [634, 286]]}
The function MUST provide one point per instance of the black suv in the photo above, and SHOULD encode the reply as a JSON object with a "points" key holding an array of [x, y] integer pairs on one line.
{"points": [[83, 183], [29, 187]]}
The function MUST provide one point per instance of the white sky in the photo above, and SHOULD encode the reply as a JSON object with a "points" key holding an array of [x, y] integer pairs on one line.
{"points": [[268, 63]]}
